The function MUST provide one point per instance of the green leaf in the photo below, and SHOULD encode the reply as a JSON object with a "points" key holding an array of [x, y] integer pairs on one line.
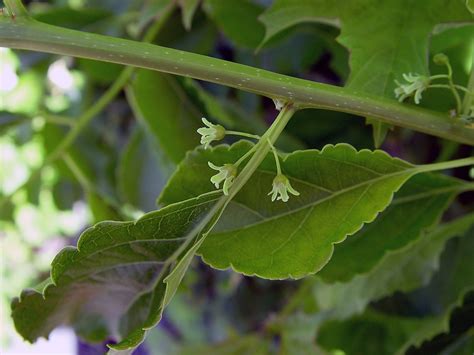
{"points": [[341, 189], [398, 30], [418, 205], [142, 173], [402, 270], [102, 208], [162, 107], [298, 335], [113, 280], [392, 334], [238, 20], [71, 18], [385, 332]]}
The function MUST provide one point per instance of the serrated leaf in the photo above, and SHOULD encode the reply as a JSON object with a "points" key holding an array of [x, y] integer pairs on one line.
{"points": [[341, 189], [162, 107], [395, 334], [418, 205], [385, 38], [113, 280], [402, 270]]}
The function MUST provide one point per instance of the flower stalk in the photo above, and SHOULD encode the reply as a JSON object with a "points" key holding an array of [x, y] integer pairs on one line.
{"points": [[227, 173]]}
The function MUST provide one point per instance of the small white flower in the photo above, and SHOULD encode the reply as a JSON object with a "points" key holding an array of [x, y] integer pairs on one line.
{"points": [[416, 84], [281, 187], [226, 173], [213, 132]]}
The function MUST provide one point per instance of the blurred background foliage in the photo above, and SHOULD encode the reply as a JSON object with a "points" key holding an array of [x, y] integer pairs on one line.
{"points": [[121, 161]]}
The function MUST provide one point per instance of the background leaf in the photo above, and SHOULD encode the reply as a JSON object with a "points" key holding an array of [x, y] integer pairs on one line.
{"points": [[403, 270], [398, 31], [162, 107]]}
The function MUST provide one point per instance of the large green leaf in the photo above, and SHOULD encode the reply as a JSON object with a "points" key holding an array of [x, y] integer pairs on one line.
{"points": [[341, 189], [402, 270], [385, 38], [392, 334], [111, 285], [418, 205], [162, 107]]}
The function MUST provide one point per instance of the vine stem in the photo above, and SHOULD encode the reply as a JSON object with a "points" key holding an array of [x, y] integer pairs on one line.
{"points": [[25, 33]]}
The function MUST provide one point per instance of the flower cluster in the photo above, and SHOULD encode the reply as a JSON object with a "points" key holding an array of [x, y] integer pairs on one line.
{"points": [[416, 84], [226, 174]]}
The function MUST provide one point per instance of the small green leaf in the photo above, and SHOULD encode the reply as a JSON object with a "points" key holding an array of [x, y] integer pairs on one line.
{"points": [[113, 278], [142, 172]]}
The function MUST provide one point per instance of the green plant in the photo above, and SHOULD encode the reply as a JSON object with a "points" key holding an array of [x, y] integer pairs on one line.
{"points": [[365, 223]]}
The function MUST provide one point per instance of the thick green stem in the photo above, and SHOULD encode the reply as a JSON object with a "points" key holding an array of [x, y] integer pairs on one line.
{"points": [[31, 35]]}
